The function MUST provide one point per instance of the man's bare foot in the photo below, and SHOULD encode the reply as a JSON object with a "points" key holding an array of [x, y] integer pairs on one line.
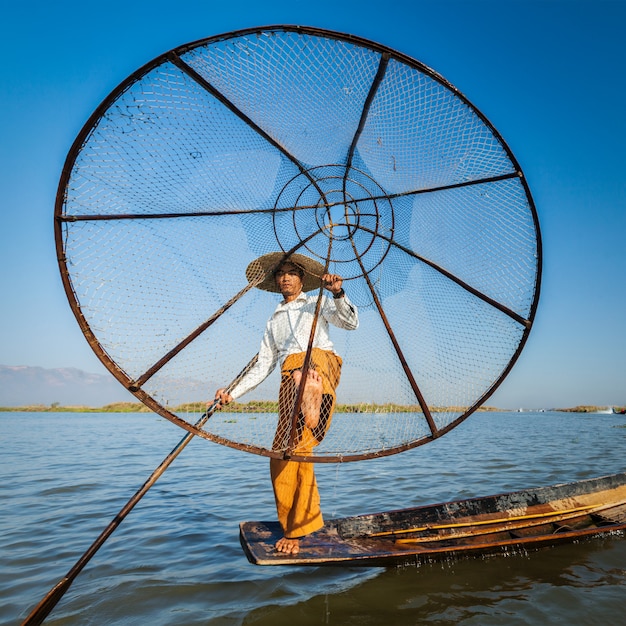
{"points": [[312, 396], [288, 546]]}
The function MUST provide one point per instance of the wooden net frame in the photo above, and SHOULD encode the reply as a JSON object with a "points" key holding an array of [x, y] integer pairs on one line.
{"points": [[299, 140]]}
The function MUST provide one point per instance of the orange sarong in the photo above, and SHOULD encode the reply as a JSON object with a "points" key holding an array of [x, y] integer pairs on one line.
{"points": [[295, 488]]}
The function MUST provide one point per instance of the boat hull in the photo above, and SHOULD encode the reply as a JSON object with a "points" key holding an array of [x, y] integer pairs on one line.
{"points": [[523, 520]]}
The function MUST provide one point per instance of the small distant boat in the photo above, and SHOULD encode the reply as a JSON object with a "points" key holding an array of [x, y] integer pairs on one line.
{"points": [[526, 519], [619, 411]]}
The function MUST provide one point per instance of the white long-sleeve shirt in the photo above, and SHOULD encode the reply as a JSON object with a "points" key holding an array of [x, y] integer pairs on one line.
{"points": [[287, 332]]}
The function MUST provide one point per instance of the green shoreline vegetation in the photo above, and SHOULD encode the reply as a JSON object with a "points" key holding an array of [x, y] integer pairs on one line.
{"points": [[266, 407]]}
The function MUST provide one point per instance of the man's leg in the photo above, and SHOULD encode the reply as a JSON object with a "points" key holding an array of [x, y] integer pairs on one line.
{"points": [[297, 502], [295, 488], [311, 397]]}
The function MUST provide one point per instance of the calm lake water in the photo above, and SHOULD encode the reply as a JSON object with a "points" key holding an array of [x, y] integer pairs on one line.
{"points": [[176, 558]]}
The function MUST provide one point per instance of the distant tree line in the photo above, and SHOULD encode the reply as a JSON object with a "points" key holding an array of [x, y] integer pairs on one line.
{"points": [[268, 406]]}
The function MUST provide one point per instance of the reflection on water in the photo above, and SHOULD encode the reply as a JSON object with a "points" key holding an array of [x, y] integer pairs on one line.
{"points": [[581, 584], [176, 559]]}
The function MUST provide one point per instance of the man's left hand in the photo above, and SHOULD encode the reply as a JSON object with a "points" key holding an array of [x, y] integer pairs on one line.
{"points": [[332, 282]]}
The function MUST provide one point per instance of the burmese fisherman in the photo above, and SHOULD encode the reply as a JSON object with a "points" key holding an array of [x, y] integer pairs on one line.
{"points": [[285, 341]]}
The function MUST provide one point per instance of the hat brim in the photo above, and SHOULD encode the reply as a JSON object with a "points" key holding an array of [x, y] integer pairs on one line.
{"points": [[263, 268]]}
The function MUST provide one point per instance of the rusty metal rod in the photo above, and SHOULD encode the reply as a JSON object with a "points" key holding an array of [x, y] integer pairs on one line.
{"points": [[405, 366], [327, 204], [190, 337], [141, 380], [307, 360], [380, 74], [182, 65], [455, 279], [181, 214], [434, 430]]}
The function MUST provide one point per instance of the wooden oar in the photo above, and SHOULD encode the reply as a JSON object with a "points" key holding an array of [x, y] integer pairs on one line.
{"points": [[43, 609]]}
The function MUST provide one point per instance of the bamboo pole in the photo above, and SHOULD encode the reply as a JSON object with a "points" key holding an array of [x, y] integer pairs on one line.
{"points": [[50, 600]]}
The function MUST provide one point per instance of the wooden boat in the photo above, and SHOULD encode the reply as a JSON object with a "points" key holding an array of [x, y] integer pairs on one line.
{"points": [[523, 520]]}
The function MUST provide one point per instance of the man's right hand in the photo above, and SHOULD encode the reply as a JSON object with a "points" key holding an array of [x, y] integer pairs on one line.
{"points": [[223, 396]]}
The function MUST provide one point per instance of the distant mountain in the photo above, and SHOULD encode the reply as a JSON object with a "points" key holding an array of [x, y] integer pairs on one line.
{"points": [[24, 385]]}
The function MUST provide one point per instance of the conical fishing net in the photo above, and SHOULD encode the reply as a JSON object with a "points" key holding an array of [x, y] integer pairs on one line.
{"points": [[292, 140]]}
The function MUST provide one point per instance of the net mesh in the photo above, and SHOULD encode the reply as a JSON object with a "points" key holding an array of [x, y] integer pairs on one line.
{"points": [[299, 140]]}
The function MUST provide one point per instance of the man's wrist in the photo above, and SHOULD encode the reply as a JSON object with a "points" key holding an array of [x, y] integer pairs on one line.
{"points": [[340, 294]]}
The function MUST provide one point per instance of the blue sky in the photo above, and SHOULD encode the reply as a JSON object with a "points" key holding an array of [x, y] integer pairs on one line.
{"points": [[548, 74]]}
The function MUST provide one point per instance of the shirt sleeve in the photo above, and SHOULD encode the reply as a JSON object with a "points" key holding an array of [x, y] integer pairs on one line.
{"points": [[342, 313], [266, 362]]}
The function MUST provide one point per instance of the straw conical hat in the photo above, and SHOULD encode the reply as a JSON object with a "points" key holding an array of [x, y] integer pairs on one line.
{"points": [[266, 265]]}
